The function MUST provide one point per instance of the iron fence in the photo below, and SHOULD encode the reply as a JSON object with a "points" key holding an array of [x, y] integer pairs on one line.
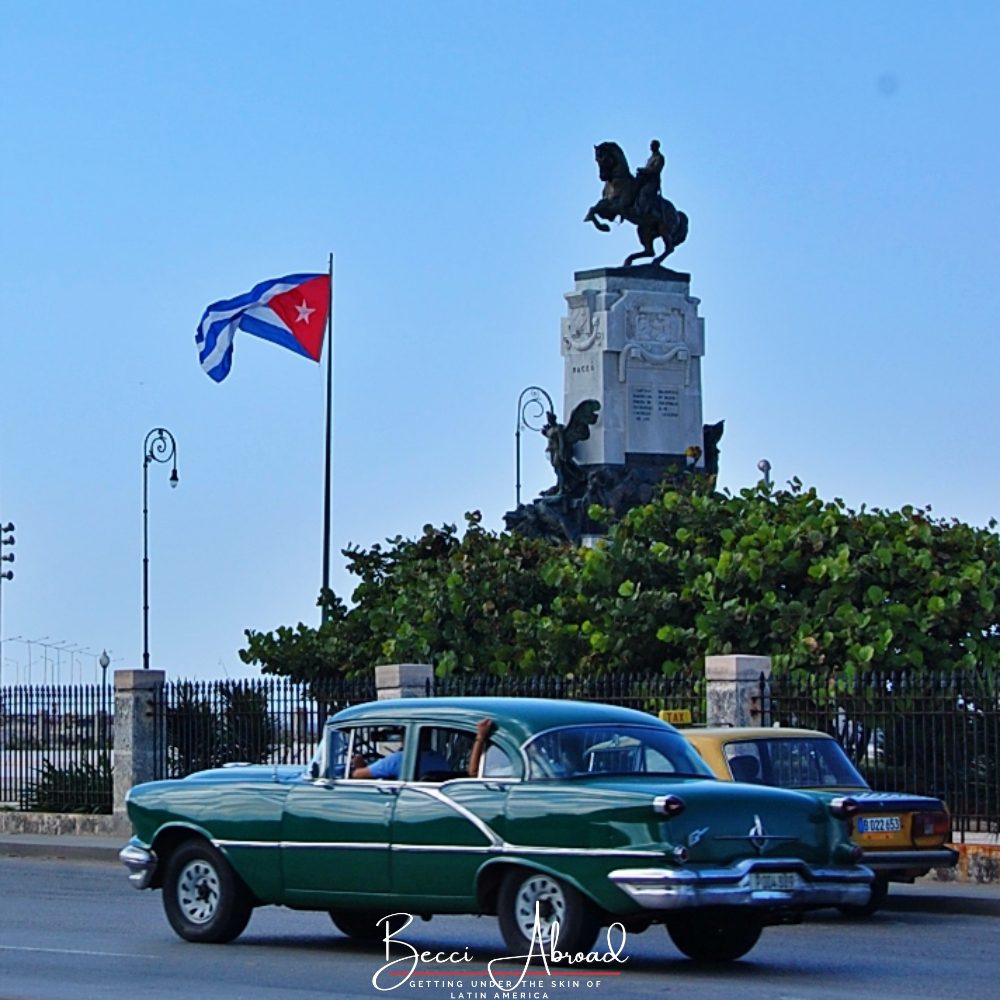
{"points": [[922, 732], [56, 748], [202, 724], [682, 693]]}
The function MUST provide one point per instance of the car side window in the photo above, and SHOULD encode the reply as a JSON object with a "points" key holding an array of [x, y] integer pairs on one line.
{"points": [[443, 753], [496, 763], [374, 743]]}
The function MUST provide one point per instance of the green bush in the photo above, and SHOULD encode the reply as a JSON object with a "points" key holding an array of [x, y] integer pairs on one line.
{"points": [[80, 787], [813, 584]]}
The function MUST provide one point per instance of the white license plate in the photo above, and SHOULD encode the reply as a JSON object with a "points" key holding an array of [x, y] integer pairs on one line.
{"points": [[764, 881], [879, 824]]}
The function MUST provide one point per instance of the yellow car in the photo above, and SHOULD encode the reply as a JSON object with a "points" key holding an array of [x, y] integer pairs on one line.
{"points": [[902, 836]]}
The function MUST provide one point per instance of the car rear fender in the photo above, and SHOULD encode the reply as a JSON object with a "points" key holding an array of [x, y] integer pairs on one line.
{"points": [[491, 874]]}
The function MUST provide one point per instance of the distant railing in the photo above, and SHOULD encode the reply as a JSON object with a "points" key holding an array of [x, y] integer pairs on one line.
{"points": [[55, 748], [922, 732]]}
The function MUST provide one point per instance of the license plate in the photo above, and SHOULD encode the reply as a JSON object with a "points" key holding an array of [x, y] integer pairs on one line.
{"points": [[764, 881], [879, 824]]}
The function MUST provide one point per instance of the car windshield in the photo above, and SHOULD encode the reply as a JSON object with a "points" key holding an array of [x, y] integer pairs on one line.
{"points": [[581, 751], [792, 762]]}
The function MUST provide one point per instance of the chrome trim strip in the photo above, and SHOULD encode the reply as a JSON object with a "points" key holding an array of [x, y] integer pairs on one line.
{"points": [[500, 847], [481, 825]]}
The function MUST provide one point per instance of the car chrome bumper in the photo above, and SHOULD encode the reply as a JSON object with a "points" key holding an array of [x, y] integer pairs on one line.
{"points": [[942, 857], [681, 888], [141, 864]]}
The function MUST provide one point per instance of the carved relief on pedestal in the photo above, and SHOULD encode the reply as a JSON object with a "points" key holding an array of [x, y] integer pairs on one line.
{"points": [[583, 328], [657, 338]]}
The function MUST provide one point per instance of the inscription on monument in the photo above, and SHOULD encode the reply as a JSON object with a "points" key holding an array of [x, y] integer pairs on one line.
{"points": [[642, 404], [668, 402]]}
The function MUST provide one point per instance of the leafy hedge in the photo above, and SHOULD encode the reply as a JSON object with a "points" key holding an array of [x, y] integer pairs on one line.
{"points": [[811, 583], [78, 787]]}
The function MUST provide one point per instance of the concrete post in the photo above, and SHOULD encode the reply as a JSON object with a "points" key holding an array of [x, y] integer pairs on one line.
{"points": [[404, 680], [136, 743], [732, 689]]}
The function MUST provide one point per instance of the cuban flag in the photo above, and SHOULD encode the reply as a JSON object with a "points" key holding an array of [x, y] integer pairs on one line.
{"points": [[289, 311]]}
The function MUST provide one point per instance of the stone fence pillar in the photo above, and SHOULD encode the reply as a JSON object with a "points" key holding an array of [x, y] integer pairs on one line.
{"points": [[732, 689], [404, 680], [136, 744]]}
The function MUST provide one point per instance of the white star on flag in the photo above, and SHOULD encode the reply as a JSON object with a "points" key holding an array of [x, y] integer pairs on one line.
{"points": [[304, 313]]}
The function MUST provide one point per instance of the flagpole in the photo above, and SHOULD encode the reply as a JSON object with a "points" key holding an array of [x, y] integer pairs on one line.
{"points": [[329, 440]]}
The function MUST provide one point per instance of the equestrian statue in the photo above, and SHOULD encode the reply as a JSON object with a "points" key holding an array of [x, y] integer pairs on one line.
{"points": [[636, 198]]}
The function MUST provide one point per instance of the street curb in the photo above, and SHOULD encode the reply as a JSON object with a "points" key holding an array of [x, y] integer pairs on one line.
{"points": [[61, 848]]}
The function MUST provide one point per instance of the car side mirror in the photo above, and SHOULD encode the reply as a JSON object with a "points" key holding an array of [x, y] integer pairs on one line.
{"points": [[314, 770]]}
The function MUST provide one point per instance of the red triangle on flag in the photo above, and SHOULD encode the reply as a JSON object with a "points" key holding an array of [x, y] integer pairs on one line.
{"points": [[303, 310]]}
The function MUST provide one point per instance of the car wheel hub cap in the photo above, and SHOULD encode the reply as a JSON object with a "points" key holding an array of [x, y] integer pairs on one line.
{"points": [[198, 892], [542, 895]]}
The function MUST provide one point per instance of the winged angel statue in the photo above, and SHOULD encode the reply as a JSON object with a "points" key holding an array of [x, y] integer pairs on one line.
{"points": [[571, 479]]}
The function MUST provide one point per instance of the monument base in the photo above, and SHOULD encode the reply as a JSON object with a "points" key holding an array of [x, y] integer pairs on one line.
{"points": [[632, 342]]}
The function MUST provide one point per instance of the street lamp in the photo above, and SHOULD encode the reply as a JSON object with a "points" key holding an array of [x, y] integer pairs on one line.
{"points": [[765, 467], [159, 446], [105, 661], [6, 538], [529, 408]]}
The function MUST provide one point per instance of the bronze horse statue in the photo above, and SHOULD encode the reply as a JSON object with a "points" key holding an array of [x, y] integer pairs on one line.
{"points": [[636, 200]]}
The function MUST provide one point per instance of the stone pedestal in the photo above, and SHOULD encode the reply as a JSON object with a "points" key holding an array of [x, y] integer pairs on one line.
{"points": [[733, 687], [137, 742], [404, 680], [633, 340]]}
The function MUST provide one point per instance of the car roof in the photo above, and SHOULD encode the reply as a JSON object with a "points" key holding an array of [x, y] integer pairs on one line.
{"points": [[726, 734], [521, 717]]}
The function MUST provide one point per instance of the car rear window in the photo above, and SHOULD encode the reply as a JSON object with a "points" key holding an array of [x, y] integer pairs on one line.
{"points": [[792, 762], [583, 751]]}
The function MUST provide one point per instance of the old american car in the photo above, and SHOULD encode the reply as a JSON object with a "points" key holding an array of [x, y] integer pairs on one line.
{"points": [[902, 836], [578, 814]]}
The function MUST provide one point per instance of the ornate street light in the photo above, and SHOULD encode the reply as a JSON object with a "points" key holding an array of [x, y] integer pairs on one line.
{"points": [[160, 446], [6, 538], [529, 409]]}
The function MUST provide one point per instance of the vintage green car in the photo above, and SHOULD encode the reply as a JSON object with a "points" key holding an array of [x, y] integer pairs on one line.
{"points": [[541, 812], [902, 836]]}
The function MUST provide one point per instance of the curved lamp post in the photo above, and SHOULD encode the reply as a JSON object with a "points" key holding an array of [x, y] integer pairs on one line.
{"points": [[159, 446], [529, 409]]}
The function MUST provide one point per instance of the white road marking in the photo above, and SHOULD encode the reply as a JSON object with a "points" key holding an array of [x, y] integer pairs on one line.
{"points": [[76, 951]]}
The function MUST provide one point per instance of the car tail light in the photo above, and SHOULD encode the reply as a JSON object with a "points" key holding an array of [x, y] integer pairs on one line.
{"points": [[845, 808], [931, 824], [669, 805]]}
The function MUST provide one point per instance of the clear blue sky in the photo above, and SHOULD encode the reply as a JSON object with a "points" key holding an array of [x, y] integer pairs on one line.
{"points": [[838, 161]]}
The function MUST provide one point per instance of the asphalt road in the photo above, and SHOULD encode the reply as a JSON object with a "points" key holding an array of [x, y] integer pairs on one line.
{"points": [[73, 930]]}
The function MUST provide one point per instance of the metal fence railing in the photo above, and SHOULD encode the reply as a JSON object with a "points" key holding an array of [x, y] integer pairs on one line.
{"points": [[934, 734], [922, 732], [56, 748], [202, 724], [682, 692]]}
